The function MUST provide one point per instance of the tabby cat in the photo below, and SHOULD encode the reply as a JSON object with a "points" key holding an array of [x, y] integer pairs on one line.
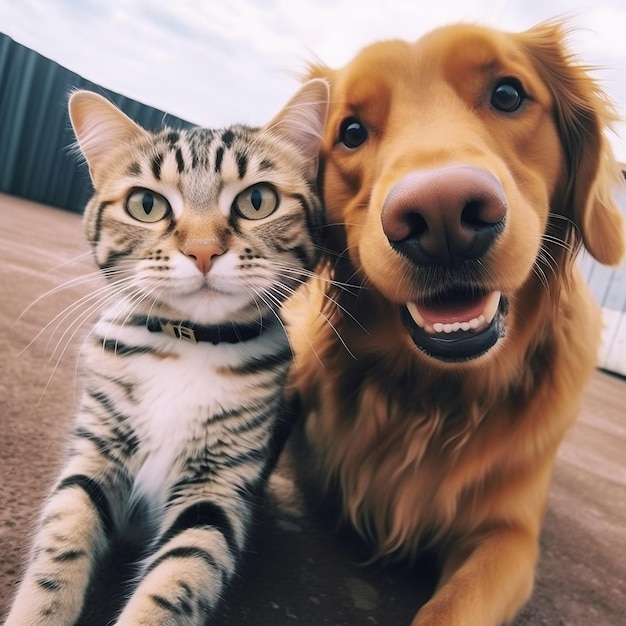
{"points": [[201, 235]]}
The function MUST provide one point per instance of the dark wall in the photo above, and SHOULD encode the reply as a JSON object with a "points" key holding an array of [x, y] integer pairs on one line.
{"points": [[36, 157]]}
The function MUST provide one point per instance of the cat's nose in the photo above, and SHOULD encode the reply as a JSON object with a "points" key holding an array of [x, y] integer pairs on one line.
{"points": [[203, 254]]}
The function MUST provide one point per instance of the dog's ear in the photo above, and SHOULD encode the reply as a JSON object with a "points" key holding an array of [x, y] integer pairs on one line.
{"points": [[596, 213], [317, 69], [594, 180], [583, 114]]}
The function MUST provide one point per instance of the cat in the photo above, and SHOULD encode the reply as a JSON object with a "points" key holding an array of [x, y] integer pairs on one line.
{"points": [[201, 235]]}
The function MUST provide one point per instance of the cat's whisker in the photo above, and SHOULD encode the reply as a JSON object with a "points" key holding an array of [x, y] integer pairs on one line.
{"points": [[68, 262], [155, 301], [342, 224], [146, 295], [349, 287], [329, 298], [73, 328], [84, 343], [99, 294], [311, 345], [298, 295], [60, 317], [73, 282], [126, 312], [272, 307], [302, 276], [83, 315], [89, 336]]}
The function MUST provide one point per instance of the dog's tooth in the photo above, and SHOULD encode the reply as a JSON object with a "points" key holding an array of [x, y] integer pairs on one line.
{"points": [[493, 301], [415, 314], [489, 312]]}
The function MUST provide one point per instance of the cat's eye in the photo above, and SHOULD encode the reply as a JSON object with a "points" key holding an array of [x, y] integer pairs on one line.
{"points": [[508, 95], [147, 206], [352, 133], [256, 202]]}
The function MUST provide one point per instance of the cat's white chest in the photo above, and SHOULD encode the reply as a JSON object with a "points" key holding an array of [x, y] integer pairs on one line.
{"points": [[177, 389], [178, 397]]}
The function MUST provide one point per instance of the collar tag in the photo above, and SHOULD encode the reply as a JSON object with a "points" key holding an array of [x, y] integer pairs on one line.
{"points": [[178, 331]]}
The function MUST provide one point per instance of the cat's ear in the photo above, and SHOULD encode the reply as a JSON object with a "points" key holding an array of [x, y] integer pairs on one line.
{"points": [[301, 121], [100, 127]]}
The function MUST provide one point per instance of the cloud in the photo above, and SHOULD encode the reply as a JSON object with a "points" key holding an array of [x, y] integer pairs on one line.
{"points": [[214, 63]]}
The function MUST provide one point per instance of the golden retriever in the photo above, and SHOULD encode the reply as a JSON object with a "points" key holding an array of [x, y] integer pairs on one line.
{"points": [[461, 174]]}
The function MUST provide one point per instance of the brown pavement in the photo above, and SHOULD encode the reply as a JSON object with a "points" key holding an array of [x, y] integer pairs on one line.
{"points": [[298, 570]]}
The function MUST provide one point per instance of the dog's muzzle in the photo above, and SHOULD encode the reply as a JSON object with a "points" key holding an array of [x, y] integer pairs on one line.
{"points": [[442, 219], [453, 340]]}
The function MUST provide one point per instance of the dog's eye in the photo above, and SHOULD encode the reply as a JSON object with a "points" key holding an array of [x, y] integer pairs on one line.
{"points": [[508, 95], [352, 133]]}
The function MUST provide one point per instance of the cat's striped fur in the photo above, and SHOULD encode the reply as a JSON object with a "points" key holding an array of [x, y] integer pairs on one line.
{"points": [[201, 235]]}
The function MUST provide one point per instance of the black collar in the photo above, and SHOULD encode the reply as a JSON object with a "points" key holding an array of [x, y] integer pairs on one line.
{"points": [[194, 333]]}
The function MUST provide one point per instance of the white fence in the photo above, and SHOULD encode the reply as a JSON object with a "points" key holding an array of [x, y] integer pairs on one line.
{"points": [[609, 288]]}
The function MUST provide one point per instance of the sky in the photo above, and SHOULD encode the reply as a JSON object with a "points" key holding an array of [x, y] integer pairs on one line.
{"points": [[215, 62]]}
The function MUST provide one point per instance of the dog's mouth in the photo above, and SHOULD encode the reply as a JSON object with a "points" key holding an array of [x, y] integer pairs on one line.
{"points": [[456, 326]]}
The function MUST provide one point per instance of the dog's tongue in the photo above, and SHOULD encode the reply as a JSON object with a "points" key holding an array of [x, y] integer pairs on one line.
{"points": [[450, 312], [460, 327], [456, 313]]}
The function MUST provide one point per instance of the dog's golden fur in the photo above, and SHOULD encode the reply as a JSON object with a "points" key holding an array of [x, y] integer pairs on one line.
{"points": [[458, 455]]}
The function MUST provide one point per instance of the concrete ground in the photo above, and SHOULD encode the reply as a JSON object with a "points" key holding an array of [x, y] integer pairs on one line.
{"points": [[299, 570]]}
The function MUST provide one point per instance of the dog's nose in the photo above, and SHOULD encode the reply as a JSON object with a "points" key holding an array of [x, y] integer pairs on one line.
{"points": [[444, 216]]}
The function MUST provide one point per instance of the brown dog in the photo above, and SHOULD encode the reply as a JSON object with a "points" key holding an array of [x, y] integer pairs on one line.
{"points": [[461, 173]]}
